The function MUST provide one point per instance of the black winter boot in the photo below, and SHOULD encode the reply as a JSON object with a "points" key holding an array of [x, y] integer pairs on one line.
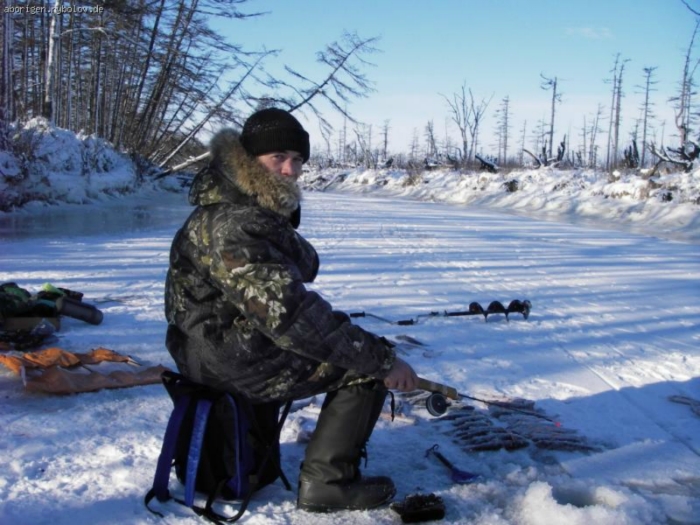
{"points": [[330, 478]]}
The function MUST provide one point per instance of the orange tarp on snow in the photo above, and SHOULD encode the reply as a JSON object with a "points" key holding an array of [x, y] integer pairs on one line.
{"points": [[57, 371]]}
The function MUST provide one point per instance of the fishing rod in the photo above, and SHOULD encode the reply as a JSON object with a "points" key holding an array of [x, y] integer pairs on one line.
{"points": [[437, 402]]}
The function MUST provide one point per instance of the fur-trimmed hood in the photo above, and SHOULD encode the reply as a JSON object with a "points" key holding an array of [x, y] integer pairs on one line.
{"points": [[234, 176]]}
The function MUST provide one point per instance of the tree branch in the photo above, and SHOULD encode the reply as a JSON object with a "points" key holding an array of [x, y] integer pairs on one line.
{"points": [[537, 159], [690, 8]]}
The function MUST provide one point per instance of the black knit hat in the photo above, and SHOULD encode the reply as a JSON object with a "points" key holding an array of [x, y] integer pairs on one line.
{"points": [[274, 129]]}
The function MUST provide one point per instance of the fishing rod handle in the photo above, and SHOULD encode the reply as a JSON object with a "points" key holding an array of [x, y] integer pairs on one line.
{"points": [[431, 386]]}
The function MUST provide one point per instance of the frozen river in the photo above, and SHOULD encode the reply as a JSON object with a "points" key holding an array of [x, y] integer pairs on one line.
{"points": [[614, 332]]}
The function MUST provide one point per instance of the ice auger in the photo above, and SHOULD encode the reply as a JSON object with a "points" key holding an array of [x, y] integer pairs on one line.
{"points": [[495, 307]]}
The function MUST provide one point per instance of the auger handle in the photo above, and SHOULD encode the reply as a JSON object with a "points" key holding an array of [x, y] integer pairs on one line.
{"points": [[431, 386]]}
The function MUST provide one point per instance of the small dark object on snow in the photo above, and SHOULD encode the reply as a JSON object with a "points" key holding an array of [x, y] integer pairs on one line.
{"points": [[23, 340], [416, 508], [78, 310], [693, 403], [457, 475]]}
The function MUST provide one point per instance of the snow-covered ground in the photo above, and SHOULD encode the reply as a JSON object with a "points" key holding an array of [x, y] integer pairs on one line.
{"points": [[611, 264], [614, 331]]}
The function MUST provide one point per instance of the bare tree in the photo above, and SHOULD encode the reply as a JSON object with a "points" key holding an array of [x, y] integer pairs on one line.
{"points": [[449, 148], [647, 108], [580, 154], [6, 77], [683, 101], [593, 136], [345, 133], [431, 149], [503, 129], [615, 113], [169, 68], [150, 75], [467, 114], [213, 111], [413, 155], [344, 81], [539, 136], [523, 134], [350, 154], [547, 84], [618, 111], [385, 139], [326, 135], [132, 71], [151, 35], [363, 133], [477, 111], [50, 62], [460, 114]]}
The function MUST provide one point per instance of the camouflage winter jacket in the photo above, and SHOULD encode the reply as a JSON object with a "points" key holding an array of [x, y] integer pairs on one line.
{"points": [[239, 316]]}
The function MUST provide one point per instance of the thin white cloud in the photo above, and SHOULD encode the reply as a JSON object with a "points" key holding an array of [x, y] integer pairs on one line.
{"points": [[593, 33]]}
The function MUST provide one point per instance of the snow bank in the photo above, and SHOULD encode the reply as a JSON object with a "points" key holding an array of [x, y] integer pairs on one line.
{"points": [[50, 165], [667, 204]]}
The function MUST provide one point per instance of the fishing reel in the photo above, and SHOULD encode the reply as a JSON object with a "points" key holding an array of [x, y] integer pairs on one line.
{"points": [[436, 404]]}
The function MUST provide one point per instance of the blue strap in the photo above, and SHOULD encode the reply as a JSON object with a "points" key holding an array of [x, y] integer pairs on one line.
{"points": [[237, 483], [167, 452], [200, 424]]}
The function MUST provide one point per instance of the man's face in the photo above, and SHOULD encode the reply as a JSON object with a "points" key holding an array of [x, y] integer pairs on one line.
{"points": [[285, 163]]}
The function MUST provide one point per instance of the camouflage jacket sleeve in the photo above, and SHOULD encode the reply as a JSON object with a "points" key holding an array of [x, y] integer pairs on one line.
{"points": [[261, 263]]}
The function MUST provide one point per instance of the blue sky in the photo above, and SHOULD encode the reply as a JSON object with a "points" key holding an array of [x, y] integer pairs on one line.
{"points": [[497, 48]]}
